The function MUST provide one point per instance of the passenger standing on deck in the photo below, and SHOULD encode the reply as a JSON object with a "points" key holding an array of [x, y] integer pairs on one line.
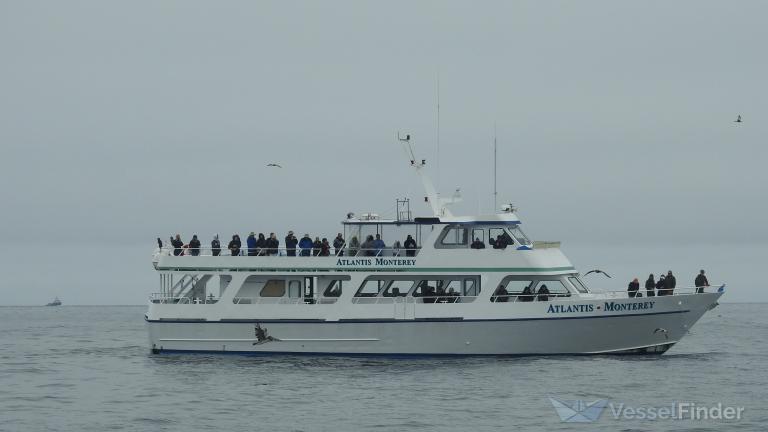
{"points": [[338, 245], [650, 284], [325, 247], [273, 244], [261, 245], [305, 245], [396, 248], [177, 245], [194, 246], [216, 246], [234, 245], [633, 288], [159, 243], [661, 286], [316, 246], [701, 282], [290, 243], [669, 283], [379, 245], [410, 246], [368, 246], [354, 245], [251, 243]]}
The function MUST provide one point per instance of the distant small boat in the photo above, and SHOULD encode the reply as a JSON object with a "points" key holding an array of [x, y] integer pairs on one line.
{"points": [[55, 302]]}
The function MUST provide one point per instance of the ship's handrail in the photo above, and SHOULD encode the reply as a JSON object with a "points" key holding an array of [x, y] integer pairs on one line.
{"points": [[283, 252], [684, 290]]}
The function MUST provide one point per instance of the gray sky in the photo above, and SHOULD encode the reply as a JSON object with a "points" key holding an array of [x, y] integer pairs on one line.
{"points": [[124, 121]]}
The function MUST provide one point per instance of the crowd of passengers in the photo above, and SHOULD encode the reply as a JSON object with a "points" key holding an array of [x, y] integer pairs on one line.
{"points": [[665, 285], [269, 246]]}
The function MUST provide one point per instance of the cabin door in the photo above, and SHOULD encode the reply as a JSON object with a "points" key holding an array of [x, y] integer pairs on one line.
{"points": [[404, 308]]}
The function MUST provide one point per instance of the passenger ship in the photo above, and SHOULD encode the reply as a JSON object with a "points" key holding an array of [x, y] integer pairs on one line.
{"points": [[442, 298]]}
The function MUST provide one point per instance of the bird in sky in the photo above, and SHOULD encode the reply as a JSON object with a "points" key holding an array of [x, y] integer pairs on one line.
{"points": [[738, 119], [274, 165], [597, 271]]}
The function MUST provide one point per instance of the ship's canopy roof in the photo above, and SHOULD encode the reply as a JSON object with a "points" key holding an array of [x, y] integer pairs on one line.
{"points": [[495, 219]]}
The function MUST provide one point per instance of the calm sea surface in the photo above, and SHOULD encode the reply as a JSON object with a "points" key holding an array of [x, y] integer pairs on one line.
{"points": [[88, 368]]}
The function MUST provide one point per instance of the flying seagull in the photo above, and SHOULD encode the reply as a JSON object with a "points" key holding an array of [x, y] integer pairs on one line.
{"points": [[274, 165], [738, 119], [597, 271]]}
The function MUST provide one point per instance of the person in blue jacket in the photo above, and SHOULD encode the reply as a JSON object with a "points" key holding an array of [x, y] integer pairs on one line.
{"points": [[379, 245], [251, 243], [305, 244]]}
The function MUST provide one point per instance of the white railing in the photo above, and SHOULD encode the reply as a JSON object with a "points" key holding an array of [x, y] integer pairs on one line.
{"points": [[686, 290]]}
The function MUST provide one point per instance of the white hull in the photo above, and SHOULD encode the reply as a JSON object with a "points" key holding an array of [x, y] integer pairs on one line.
{"points": [[529, 330]]}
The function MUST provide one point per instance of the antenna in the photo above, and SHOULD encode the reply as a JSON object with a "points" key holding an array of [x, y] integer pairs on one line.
{"points": [[438, 133], [495, 193]]}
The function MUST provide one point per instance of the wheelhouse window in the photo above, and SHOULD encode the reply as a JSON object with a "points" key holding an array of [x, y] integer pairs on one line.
{"points": [[453, 236], [519, 236], [494, 234]]}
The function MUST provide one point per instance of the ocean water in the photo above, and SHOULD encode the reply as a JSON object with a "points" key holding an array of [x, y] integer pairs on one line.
{"points": [[88, 368]]}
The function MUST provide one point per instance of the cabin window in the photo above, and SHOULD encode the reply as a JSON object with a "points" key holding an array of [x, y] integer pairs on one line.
{"points": [[555, 287], [454, 236], [333, 290], [471, 287], [518, 286], [398, 288], [370, 288], [294, 289], [578, 284], [453, 286], [273, 288], [478, 233]]}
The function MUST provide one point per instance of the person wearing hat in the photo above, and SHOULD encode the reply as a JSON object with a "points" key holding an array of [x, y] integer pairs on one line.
{"points": [[194, 246], [177, 245], [290, 243], [650, 284], [234, 245], [660, 286], [216, 246], [701, 282], [670, 282], [633, 288]]}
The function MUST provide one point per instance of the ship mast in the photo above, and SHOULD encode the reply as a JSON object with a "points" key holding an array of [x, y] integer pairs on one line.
{"points": [[437, 204]]}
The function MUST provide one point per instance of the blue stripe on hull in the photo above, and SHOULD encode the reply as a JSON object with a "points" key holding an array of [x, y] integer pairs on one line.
{"points": [[648, 351]]}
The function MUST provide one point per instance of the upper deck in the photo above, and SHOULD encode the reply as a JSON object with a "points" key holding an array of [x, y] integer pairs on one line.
{"points": [[441, 246]]}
